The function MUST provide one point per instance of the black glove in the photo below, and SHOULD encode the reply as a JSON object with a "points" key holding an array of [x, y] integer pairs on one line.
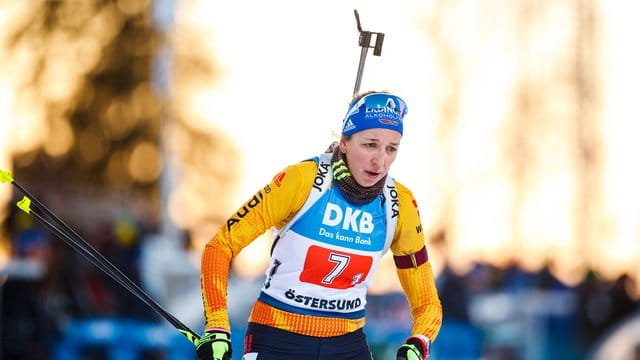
{"points": [[414, 348], [214, 345]]}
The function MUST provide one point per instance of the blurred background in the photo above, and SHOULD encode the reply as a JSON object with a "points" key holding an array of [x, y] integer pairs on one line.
{"points": [[145, 123]]}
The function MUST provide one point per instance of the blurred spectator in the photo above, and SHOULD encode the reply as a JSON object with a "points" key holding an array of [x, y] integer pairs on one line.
{"points": [[27, 329], [602, 304], [454, 295], [124, 251], [100, 295]]}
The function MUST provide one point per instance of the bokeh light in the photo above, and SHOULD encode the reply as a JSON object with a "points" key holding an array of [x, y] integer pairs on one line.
{"points": [[520, 138]]}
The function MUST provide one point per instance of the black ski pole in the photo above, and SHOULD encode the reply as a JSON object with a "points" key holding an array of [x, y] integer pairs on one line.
{"points": [[78, 243], [364, 41]]}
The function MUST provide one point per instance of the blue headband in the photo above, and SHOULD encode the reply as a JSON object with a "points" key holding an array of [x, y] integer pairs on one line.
{"points": [[374, 111]]}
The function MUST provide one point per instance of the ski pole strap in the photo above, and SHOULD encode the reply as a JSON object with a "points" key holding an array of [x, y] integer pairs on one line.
{"points": [[412, 260]]}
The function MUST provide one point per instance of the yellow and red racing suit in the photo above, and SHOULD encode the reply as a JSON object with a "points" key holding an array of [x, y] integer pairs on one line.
{"points": [[322, 265]]}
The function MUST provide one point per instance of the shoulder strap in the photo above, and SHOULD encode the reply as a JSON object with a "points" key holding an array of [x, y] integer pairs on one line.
{"points": [[391, 204]]}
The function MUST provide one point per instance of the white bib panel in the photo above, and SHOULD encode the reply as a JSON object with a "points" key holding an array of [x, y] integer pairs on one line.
{"points": [[324, 259]]}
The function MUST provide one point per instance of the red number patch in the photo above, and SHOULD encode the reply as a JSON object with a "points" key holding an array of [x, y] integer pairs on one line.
{"points": [[334, 269]]}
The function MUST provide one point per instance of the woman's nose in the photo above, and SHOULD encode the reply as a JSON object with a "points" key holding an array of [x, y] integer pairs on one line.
{"points": [[377, 159]]}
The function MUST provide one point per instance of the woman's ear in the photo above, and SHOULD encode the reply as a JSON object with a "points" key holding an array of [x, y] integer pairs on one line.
{"points": [[343, 146]]}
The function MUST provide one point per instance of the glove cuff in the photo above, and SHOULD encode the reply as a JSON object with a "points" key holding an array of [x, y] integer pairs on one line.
{"points": [[218, 330], [421, 342], [217, 335]]}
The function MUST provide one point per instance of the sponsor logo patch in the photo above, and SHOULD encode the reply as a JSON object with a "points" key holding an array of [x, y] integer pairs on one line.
{"points": [[278, 178]]}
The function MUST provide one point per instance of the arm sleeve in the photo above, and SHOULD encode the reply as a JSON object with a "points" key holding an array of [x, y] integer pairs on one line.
{"points": [[272, 205], [418, 282]]}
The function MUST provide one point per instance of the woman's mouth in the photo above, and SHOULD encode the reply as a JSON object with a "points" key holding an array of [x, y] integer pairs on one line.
{"points": [[372, 174]]}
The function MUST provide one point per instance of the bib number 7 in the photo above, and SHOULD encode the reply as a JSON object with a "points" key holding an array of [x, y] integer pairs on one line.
{"points": [[334, 269]]}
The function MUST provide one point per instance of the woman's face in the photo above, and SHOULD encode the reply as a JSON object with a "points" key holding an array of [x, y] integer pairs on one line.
{"points": [[370, 154]]}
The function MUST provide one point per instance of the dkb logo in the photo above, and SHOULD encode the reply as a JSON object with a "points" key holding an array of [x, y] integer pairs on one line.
{"points": [[354, 220]]}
